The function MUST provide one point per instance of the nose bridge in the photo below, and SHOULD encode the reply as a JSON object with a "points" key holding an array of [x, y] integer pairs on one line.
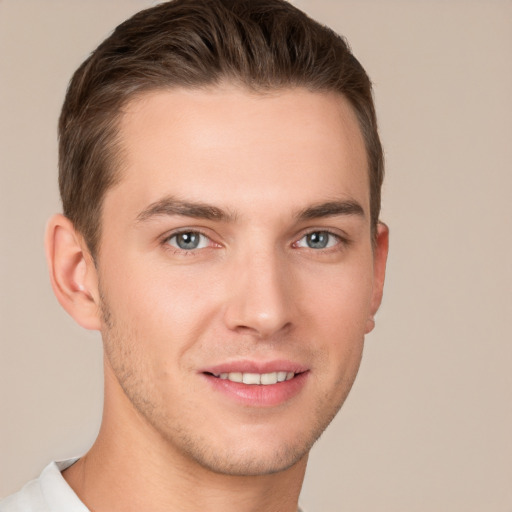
{"points": [[259, 293]]}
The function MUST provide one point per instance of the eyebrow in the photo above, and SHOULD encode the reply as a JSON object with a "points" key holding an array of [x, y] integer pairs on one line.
{"points": [[331, 209], [173, 206]]}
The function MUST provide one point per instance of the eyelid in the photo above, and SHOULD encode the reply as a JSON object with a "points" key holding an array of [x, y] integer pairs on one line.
{"points": [[169, 235], [201, 243], [342, 239]]}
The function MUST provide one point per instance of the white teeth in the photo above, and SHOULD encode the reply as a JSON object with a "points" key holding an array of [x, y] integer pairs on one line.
{"points": [[269, 378], [264, 379], [251, 378], [235, 377]]}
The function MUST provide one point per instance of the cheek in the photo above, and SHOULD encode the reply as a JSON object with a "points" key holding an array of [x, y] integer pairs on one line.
{"points": [[340, 298], [338, 311], [162, 303]]}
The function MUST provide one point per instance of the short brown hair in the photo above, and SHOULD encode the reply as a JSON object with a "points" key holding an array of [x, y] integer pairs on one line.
{"points": [[259, 44]]}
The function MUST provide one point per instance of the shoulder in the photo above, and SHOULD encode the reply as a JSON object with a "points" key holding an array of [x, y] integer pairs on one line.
{"points": [[28, 499], [48, 493]]}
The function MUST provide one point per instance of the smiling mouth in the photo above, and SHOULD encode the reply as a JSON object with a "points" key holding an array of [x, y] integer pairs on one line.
{"points": [[262, 379]]}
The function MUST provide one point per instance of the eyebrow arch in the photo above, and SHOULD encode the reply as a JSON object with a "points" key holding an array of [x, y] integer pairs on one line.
{"points": [[331, 209], [174, 206]]}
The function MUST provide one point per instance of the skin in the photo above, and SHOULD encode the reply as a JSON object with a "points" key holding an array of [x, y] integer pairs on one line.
{"points": [[254, 290]]}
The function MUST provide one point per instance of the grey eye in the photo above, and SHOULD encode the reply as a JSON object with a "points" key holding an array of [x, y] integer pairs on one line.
{"points": [[318, 240], [188, 240]]}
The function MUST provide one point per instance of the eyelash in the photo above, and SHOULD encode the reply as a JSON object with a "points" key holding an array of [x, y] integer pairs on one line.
{"points": [[341, 241], [189, 252]]}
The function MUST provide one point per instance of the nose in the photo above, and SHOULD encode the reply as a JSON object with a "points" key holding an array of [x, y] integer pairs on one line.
{"points": [[260, 296]]}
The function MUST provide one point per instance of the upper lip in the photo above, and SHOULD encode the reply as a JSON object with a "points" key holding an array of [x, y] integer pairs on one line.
{"points": [[248, 366]]}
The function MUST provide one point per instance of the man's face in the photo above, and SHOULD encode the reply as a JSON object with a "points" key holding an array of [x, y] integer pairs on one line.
{"points": [[236, 247]]}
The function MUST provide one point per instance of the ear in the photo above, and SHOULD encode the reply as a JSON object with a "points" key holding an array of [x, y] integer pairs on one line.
{"points": [[380, 256], [72, 272]]}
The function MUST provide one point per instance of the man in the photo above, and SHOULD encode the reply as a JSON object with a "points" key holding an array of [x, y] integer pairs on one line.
{"points": [[220, 172]]}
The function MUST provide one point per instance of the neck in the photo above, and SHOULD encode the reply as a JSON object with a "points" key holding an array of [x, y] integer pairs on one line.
{"points": [[131, 467]]}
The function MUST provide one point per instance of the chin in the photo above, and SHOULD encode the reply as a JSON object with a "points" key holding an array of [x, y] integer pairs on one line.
{"points": [[249, 451], [251, 462]]}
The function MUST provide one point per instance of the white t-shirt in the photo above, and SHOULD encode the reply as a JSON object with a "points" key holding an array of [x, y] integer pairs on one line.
{"points": [[48, 493]]}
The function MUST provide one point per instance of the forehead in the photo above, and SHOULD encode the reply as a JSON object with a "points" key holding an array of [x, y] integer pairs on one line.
{"points": [[227, 141]]}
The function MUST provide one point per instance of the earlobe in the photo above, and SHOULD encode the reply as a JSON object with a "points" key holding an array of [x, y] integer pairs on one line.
{"points": [[370, 324], [380, 256], [72, 272]]}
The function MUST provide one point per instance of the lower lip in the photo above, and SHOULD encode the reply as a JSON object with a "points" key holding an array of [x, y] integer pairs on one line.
{"points": [[257, 395]]}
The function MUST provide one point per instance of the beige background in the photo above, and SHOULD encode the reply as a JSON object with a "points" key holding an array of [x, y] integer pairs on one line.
{"points": [[428, 426]]}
